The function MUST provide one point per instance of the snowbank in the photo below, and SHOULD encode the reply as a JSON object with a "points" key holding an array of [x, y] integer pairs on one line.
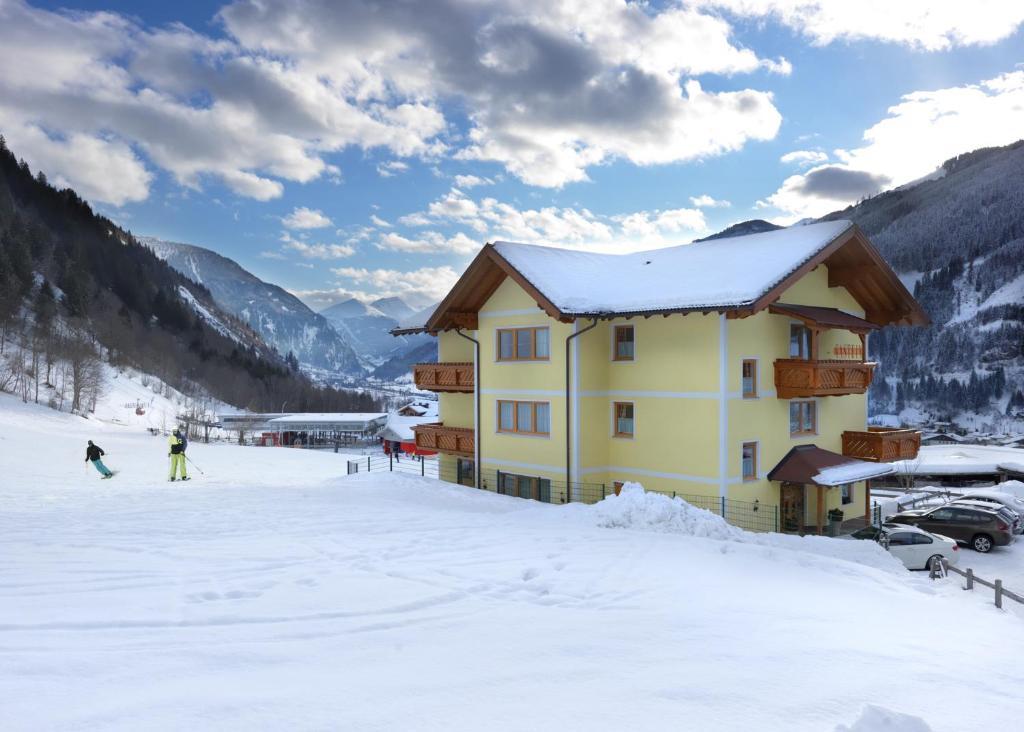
{"points": [[878, 719], [634, 508]]}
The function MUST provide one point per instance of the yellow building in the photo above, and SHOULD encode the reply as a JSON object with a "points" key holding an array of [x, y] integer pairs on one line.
{"points": [[731, 372]]}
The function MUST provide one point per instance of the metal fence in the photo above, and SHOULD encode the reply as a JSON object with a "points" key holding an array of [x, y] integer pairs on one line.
{"points": [[749, 515]]}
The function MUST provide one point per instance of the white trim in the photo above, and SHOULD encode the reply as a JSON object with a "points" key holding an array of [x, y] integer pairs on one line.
{"points": [[574, 468], [723, 404], [476, 410], [630, 394], [522, 392], [523, 466], [507, 313]]}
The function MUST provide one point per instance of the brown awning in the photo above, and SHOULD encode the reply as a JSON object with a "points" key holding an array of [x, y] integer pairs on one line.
{"points": [[810, 465], [823, 317]]}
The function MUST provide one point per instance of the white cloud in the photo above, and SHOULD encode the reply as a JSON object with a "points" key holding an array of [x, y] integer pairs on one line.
{"points": [[930, 25], [919, 133], [804, 157], [391, 168], [492, 220], [419, 287], [378, 221], [471, 181], [306, 218], [317, 251], [430, 242], [98, 169], [706, 201]]}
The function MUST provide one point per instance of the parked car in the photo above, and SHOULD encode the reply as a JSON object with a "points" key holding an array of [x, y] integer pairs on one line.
{"points": [[913, 546], [1008, 500], [979, 528], [1010, 516]]}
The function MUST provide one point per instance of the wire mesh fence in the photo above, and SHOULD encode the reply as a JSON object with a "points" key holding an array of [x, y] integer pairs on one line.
{"points": [[749, 515]]}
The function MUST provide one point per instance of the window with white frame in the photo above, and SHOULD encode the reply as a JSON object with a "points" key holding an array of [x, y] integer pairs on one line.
{"points": [[749, 378], [749, 461], [803, 417]]}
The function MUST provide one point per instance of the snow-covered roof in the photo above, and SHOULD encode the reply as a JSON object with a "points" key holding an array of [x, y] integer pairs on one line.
{"points": [[962, 460], [399, 429], [852, 472], [716, 273], [329, 418]]}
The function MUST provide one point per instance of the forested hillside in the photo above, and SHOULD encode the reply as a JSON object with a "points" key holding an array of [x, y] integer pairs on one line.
{"points": [[958, 242], [74, 287]]}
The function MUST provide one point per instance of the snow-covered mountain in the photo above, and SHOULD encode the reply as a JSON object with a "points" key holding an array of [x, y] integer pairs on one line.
{"points": [[957, 240], [394, 307], [368, 327], [279, 317]]}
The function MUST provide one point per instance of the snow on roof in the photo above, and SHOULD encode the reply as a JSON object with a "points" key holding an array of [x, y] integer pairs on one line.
{"points": [[328, 417], [852, 472], [962, 460], [399, 429], [721, 272]]}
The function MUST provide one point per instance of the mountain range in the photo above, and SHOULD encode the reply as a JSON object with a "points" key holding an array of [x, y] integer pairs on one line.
{"points": [[345, 342]]}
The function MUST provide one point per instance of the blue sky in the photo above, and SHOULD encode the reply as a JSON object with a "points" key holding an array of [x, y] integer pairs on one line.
{"points": [[321, 144]]}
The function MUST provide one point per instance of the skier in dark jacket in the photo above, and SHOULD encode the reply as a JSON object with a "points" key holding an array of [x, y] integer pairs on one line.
{"points": [[93, 453]]}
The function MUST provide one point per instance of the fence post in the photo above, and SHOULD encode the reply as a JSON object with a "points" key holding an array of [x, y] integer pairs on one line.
{"points": [[603, 495], [723, 506], [391, 461], [423, 469], [999, 593], [970, 580], [778, 528], [367, 463]]}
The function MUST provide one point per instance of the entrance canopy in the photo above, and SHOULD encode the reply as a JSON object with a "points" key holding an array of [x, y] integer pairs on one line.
{"points": [[818, 317], [811, 465]]}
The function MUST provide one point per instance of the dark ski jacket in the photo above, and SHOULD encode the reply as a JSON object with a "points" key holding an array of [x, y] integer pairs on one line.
{"points": [[93, 452]]}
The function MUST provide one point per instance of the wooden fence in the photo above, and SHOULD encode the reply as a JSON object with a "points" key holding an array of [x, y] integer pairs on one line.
{"points": [[941, 568]]}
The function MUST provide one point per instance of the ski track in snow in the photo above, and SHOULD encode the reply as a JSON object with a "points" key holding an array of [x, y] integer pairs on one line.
{"points": [[275, 593]]}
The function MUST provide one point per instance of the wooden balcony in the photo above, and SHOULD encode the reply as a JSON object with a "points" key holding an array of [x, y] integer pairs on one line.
{"points": [[446, 377], [880, 444], [798, 378], [449, 440]]}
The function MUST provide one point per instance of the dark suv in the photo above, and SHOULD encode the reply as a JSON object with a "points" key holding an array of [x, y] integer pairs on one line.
{"points": [[979, 528]]}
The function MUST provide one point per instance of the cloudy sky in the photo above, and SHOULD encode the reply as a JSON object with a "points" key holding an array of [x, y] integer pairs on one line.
{"points": [[342, 147]]}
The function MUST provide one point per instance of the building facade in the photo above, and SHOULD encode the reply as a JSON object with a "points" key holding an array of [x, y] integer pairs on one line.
{"points": [[700, 400]]}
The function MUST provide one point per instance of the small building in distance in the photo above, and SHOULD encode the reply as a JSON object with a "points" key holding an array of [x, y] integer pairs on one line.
{"points": [[307, 429]]}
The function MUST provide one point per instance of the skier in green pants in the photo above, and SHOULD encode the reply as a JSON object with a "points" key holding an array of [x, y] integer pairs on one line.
{"points": [[177, 443]]}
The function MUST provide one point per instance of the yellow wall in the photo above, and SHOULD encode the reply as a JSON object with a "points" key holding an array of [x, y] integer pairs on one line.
{"points": [[675, 384]]}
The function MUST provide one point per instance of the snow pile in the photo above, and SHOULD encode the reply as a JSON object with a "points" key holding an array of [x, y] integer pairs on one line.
{"points": [[1013, 487], [635, 508], [852, 472], [879, 719]]}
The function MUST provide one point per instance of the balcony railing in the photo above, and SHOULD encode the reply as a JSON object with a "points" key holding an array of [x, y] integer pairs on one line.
{"points": [[447, 377], [879, 444], [796, 378], [449, 440]]}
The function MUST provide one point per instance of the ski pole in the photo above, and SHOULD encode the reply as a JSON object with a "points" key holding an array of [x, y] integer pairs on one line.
{"points": [[194, 465]]}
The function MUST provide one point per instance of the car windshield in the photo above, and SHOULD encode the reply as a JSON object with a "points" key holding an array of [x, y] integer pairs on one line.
{"points": [[868, 532]]}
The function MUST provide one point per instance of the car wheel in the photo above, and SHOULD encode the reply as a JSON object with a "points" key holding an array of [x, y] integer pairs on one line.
{"points": [[932, 558], [982, 543]]}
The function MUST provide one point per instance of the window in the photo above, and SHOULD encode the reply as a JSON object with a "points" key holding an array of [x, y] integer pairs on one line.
{"points": [[803, 418], [799, 341], [942, 514], [902, 538], [749, 378], [749, 461], [847, 494], [527, 418], [624, 339], [922, 539], [524, 486], [524, 344], [623, 419], [465, 471]]}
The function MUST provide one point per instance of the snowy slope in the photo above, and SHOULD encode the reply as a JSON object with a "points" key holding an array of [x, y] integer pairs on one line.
{"points": [[272, 593], [280, 318]]}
